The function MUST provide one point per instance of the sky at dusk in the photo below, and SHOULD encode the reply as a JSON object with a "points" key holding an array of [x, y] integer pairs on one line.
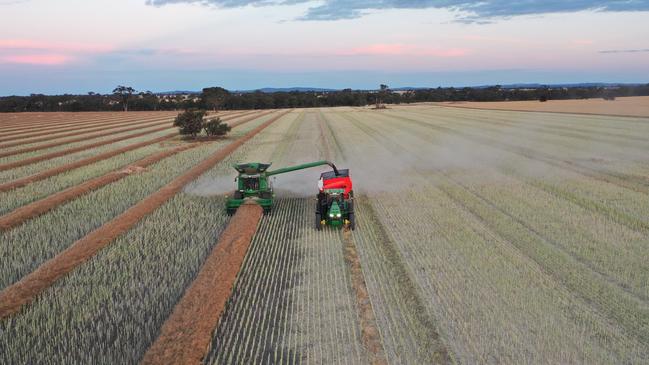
{"points": [[77, 46]]}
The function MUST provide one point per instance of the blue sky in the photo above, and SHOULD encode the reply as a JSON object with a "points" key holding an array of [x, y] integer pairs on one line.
{"points": [[76, 46]]}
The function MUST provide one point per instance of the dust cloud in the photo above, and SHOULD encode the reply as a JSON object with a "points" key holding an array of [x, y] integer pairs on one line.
{"points": [[397, 157], [301, 183], [212, 185]]}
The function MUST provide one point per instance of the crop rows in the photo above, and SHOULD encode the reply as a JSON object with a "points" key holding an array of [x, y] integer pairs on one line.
{"points": [[294, 284], [41, 238], [111, 330], [27, 120], [32, 139], [36, 161], [62, 176], [482, 237], [596, 203], [404, 142]]}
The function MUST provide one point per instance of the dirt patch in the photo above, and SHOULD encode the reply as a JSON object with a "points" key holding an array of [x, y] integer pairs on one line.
{"points": [[186, 335], [87, 161], [636, 106], [15, 296], [133, 169], [369, 329], [49, 156]]}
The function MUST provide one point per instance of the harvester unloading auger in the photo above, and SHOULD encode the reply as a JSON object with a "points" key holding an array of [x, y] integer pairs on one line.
{"points": [[335, 198]]}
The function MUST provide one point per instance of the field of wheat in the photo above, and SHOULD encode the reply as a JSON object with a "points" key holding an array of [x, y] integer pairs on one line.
{"points": [[482, 237]]}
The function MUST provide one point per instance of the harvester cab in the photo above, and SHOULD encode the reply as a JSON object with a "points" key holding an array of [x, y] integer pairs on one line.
{"points": [[252, 184], [334, 205]]}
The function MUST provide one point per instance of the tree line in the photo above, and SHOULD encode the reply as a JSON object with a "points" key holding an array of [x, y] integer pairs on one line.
{"points": [[126, 98]]}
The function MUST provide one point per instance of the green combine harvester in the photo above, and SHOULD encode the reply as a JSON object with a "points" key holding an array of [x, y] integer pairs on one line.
{"points": [[334, 205]]}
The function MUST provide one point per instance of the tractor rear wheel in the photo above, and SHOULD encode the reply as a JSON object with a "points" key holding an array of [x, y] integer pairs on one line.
{"points": [[318, 220], [352, 221]]}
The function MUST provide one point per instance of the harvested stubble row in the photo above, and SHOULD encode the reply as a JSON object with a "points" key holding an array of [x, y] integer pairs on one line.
{"points": [[369, 330], [35, 168], [629, 207], [39, 207], [57, 170], [248, 118], [409, 333], [65, 127], [26, 133], [87, 119], [49, 156], [186, 335], [33, 135], [573, 142], [547, 126], [16, 198], [83, 137], [87, 161], [52, 120], [15, 296], [499, 229], [293, 302], [118, 300]]}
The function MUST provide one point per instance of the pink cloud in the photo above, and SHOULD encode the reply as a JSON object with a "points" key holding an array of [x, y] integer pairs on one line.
{"points": [[46, 53], [404, 50], [30, 44], [37, 59]]}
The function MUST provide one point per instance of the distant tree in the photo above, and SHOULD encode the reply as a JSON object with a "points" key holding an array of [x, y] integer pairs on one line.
{"points": [[124, 93], [543, 98], [384, 90], [190, 122], [145, 101], [216, 127], [213, 97]]}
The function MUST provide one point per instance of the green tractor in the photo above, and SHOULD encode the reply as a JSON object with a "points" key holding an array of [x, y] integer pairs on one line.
{"points": [[335, 199]]}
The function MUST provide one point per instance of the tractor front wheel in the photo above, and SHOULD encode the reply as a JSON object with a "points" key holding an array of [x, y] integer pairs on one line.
{"points": [[352, 221], [318, 220]]}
